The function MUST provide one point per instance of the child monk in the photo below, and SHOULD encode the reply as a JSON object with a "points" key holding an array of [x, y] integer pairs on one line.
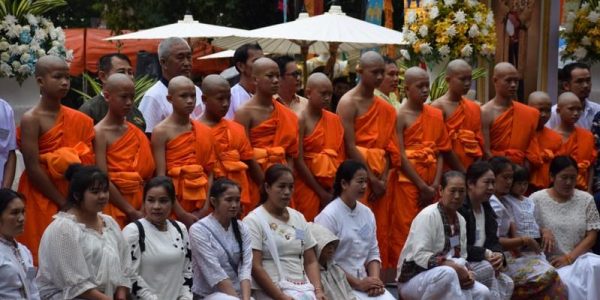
{"points": [[321, 149], [423, 139], [271, 127], [184, 150], [51, 137], [234, 153], [462, 117], [508, 126], [577, 142], [549, 142], [123, 151]]}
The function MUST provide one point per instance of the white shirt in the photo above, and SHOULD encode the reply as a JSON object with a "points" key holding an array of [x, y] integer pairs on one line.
{"points": [[211, 263], [503, 216], [155, 107], [161, 270], [291, 238], [479, 227], [18, 275], [427, 238], [74, 258], [239, 97], [586, 119], [522, 212], [356, 230], [8, 134]]}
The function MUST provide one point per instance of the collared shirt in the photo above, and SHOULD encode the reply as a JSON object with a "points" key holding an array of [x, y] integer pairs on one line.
{"points": [[155, 107], [586, 119], [239, 97], [96, 108], [356, 230], [8, 137], [297, 105], [17, 272]]}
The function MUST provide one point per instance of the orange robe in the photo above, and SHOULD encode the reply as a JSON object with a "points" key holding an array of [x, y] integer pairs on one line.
{"points": [[512, 134], [323, 153], [232, 148], [464, 130], [130, 163], [68, 142], [423, 142], [376, 140], [580, 146], [272, 140], [190, 157], [549, 143]]}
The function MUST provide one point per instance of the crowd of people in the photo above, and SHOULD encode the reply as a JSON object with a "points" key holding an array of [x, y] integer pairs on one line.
{"points": [[256, 192]]}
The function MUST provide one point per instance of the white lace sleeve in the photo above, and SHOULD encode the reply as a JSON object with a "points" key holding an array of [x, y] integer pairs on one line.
{"points": [[592, 216]]}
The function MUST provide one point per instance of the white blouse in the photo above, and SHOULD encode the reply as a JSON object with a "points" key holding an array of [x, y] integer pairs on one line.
{"points": [[503, 216], [164, 268], [522, 212], [74, 258], [356, 230], [211, 262], [17, 273]]}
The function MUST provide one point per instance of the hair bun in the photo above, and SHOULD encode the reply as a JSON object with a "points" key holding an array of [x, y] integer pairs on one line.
{"points": [[71, 170]]}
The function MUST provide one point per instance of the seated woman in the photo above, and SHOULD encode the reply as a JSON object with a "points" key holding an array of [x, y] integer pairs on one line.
{"points": [[531, 273], [16, 264], [160, 248], [221, 247], [572, 217], [354, 224], [484, 252], [82, 252], [433, 262], [284, 263]]}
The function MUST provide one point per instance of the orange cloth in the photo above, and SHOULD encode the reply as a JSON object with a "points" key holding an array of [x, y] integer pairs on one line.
{"points": [[68, 141], [464, 130], [190, 157], [232, 148], [129, 162], [323, 153], [549, 143], [423, 141], [580, 146], [512, 134], [272, 140]]}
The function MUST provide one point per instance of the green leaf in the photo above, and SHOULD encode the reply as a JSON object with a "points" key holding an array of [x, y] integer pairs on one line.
{"points": [[142, 84], [439, 86]]}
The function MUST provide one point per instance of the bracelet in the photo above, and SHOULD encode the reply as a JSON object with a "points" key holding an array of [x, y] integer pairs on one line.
{"points": [[569, 259]]}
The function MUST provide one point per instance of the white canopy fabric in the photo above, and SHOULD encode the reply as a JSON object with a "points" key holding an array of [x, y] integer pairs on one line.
{"points": [[221, 54], [186, 28], [332, 27]]}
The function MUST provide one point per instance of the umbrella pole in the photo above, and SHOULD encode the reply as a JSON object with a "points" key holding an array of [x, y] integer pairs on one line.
{"points": [[304, 52]]}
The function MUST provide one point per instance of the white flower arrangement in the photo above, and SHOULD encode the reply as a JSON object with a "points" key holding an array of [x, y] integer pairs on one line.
{"points": [[23, 42], [582, 34]]}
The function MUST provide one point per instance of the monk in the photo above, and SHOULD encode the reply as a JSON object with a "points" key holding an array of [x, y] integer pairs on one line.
{"points": [[577, 142], [234, 153], [51, 137], [122, 151], [184, 150], [549, 142], [462, 117], [272, 128], [508, 126], [370, 137], [320, 151], [423, 139]]}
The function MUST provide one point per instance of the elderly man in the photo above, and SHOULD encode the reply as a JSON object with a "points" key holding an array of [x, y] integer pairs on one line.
{"points": [[97, 107], [175, 57]]}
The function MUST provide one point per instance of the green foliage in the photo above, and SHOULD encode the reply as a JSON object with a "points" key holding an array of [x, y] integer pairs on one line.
{"points": [[20, 8], [142, 84], [439, 86]]}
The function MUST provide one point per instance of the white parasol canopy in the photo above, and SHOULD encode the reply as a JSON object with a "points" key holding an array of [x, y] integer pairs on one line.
{"points": [[221, 54], [316, 32], [186, 28]]}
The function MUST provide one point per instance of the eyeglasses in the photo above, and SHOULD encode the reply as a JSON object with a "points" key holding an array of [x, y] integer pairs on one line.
{"points": [[294, 74]]}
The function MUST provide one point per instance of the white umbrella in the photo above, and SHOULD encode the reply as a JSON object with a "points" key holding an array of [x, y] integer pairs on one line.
{"points": [[316, 32], [221, 54], [186, 28]]}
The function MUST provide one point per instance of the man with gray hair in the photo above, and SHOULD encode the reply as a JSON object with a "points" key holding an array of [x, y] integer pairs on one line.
{"points": [[175, 57]]}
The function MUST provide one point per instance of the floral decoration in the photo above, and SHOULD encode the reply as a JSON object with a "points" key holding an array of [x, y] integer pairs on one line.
{"points": [[582, 34]]}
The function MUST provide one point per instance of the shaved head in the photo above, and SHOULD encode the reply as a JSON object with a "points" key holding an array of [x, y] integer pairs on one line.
{"points": [[179, 82], [118, 81], [503, 68], [370, 59], [47, 63], [262, 64], [537, 98], [567, 98], [212, 82], [456, 66], [413, 74], [317, 79]]}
